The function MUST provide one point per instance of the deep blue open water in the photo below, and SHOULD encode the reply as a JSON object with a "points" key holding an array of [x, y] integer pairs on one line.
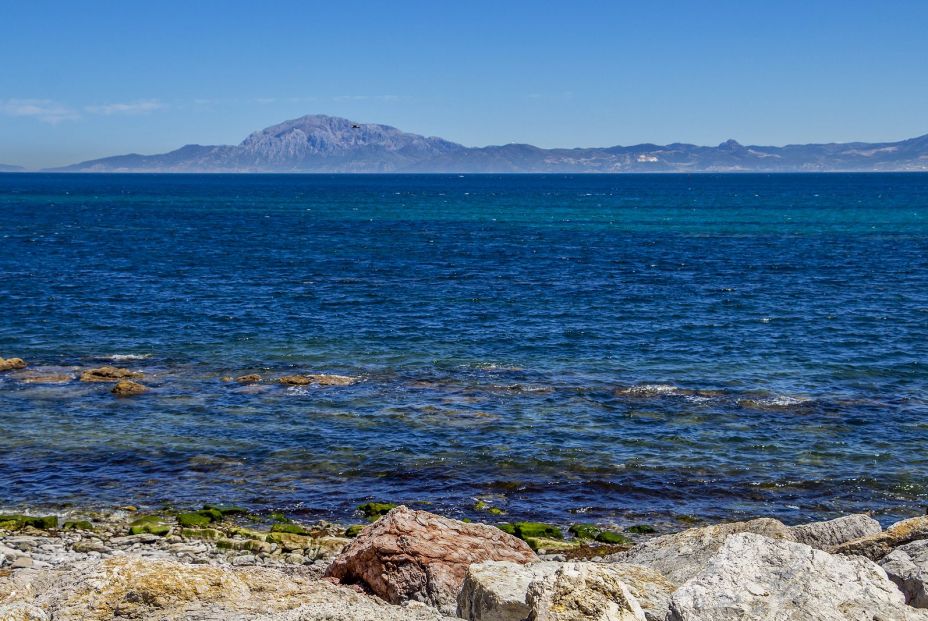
{"points": [[611, 348]]}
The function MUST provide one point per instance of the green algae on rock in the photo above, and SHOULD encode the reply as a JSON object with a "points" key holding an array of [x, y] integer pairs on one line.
{"points": [[641, 529], [374, 510], [289, 527], [353, 530], [16, 522], [149, 525], [591, 532], [77, 525]]}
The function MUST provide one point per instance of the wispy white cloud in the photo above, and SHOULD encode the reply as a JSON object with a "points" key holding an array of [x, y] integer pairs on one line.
{"points": [[44, 110], [367, 98], [134, 107]]}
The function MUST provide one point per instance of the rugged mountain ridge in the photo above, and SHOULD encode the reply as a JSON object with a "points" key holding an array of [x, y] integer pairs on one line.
{"points": [[320, 143]]}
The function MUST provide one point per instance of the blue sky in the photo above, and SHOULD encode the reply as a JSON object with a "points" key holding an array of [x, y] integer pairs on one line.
{"points": [[87, 79]]}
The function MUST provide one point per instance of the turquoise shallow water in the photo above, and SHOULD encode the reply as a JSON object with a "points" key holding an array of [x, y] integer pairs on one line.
{"points": [[617, 347]]}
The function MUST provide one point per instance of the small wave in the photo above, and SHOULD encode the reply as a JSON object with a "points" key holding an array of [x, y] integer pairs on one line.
{"points": [[776, 402], [650, 390], [118, 357]]}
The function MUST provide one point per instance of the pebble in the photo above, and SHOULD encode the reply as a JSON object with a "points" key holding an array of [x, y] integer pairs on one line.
{"points": [[23, 562]]}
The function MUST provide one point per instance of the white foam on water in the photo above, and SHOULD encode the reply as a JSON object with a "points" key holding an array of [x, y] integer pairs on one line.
{"points": [[648, 390], [118, 357]]}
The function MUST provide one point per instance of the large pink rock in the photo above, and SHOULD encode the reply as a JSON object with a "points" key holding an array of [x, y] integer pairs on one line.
{"points": [[416, 555]]}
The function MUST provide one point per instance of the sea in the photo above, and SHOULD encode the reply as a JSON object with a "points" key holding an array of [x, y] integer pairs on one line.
{"points": [[664, 349]]}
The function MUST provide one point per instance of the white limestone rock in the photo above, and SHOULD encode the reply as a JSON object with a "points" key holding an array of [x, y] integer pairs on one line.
{"points": [[680, 556], [754, 578]]}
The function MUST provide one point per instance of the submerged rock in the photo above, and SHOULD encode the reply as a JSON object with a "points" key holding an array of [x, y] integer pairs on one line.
{"points": [[318, 379], [755, 578], [582, 592], [48, 379], [415, 555], [826, 535], [878, 545], [252, 378], [128, 388], [907, 566], [108, 374], [12, 364], [680, 556]]}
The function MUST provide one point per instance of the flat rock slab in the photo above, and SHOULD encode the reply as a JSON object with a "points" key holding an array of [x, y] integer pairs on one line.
{"points": [[680, 556], [419, 556], [754, 578], [133, 587], [826, 535], [907, 566]]}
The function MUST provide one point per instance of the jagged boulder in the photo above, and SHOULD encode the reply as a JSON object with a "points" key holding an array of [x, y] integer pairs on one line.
{"points": [[498, 590], [907, 566], [12, 364], [128, 388], [418, 556], [876, 546], [826, 535], [582, 592], [755, 578], [680, 556]]}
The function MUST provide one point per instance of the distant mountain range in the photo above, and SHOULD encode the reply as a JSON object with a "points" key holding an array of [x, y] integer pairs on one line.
{"points": [[9, 168], [319, 143]]}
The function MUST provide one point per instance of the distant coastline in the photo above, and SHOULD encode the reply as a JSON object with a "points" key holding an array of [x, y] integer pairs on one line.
{"points": [[326, 144]]}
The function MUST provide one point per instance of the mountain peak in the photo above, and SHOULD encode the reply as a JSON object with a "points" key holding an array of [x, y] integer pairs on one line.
{"points": [[329, 144]]}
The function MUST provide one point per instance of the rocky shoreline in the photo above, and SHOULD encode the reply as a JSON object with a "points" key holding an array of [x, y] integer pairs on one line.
{"points": [[221, 563]]}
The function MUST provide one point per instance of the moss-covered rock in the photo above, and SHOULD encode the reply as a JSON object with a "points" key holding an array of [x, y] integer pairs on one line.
{"points": [[354, 530], [584, 531], [247, 533], [537, 529], [641, 529], [149, 525], [15, 522], [507, 528], [612, 537], [77, 525], [591, 532], [294, 529], [225, 510], [290, 541], [550, 546], [160, 530], [375, 510], [194, 520], [277, 516], [201, 533]]}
